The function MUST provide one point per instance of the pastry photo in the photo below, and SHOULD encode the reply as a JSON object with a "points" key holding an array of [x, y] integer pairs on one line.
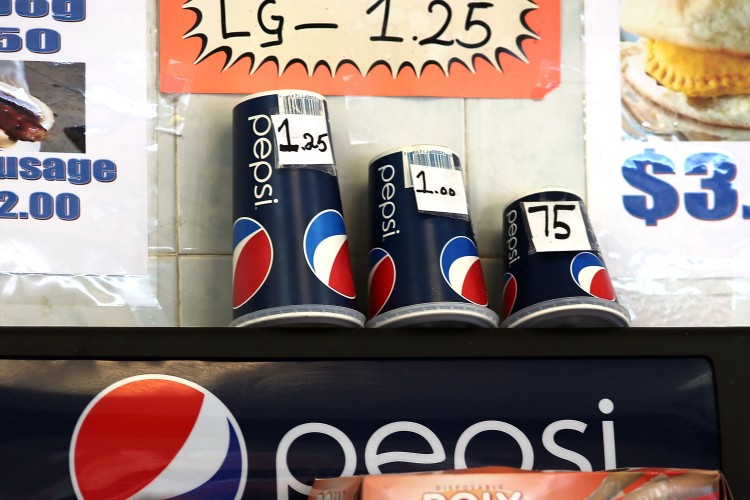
{"points": [[686, 69]]}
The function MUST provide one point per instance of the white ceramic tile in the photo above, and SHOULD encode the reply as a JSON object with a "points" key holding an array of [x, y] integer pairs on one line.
{"points": [[204, 175], [165, 282], [365, 127], [571, 53], [518, 146], [205, 290], [162, 206]]}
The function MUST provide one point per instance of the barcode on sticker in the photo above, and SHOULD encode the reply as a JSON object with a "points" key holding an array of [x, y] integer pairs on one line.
{"points": [[298, 104], [427, 158], [438, 159]]}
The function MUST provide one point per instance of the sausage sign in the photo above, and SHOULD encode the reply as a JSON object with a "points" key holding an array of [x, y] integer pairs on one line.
{"points": [[497, 48]]}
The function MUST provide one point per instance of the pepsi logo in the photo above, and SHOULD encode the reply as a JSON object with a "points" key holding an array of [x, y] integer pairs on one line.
{"points": [[251, 260], [589, 273], [327, 252], [510, 292], [157, 437], [462, 269], [381, 280]]}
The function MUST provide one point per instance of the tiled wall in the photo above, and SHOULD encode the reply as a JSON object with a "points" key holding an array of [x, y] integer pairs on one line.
{"points": [[508, 147], [497, 140]]}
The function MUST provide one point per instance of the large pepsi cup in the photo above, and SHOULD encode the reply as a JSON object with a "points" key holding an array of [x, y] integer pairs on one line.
{"points": [[291, 264], [554, 274], [425, 269]]}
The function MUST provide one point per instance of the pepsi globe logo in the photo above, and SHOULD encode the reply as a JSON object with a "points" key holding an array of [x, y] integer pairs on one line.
{"points": [[462, 269], [510, 292], [589, 273], [251, 260], [381, 280], [327, 252], [157, 437]]}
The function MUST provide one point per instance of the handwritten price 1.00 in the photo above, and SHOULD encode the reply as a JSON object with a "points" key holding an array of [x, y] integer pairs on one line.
{"points": [[645, 172], [444, 191], [41, 206]]}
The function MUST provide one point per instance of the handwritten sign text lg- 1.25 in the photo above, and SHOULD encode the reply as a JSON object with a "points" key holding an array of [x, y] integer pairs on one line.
{"points": [[362, 33]]}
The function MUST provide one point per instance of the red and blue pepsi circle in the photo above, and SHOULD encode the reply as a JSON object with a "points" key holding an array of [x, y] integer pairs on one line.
{"points": [[327, 252], [425, 269], [291, 263], [157, 436], [462, 269], [589, 273], [252, 259], [381, 280], [548, 288]]}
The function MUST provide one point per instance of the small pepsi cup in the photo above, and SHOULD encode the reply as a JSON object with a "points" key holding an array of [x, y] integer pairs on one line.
{"points": [[554, 274], [291, 264], [425, 269]]}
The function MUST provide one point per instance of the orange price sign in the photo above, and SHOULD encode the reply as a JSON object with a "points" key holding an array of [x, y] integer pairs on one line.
{"points": [[441, 48]]}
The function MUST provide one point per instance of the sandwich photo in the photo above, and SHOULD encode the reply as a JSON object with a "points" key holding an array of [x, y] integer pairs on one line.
{"points": [[686, 67], [22, 117]]}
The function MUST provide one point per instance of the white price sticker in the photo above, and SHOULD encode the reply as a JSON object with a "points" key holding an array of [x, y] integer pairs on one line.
{"points": [[439, 190], [556, 226], [302, 140]]}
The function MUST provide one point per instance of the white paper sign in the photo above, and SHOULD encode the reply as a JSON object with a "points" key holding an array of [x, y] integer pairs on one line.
{"points": [[668, 196], [556, 226], [302, 140], [439, 190], [74, 200]]}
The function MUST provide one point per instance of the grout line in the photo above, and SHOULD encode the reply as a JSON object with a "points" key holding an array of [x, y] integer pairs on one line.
{"points": [[177, 219]]}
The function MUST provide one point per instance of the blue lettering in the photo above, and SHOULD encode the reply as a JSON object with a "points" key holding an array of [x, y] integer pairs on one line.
{"points": [[54, 169], [105, 170], [79, 171], [62, 10], [8, 168], [69, 10], [76, 171], [30, 170]]}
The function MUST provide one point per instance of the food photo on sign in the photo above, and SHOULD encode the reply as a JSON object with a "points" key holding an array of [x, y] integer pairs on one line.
{"points": [[667, 150], [685, 69], [24, 119]]}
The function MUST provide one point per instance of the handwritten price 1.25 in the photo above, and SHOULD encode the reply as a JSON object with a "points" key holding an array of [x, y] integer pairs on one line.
{"points": [[366, 35], [646, 172], [478, 32]]}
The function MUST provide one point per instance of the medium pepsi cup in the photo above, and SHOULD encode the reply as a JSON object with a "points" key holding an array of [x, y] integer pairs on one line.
{"points": [[554, 274], [425, 269], [291, 263]]}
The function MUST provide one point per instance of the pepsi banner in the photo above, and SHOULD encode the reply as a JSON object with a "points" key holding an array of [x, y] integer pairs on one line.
{"points": [[93, 429]]}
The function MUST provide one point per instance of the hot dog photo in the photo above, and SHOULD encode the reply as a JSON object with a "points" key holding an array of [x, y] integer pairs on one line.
{"points": [[42, 106]]}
